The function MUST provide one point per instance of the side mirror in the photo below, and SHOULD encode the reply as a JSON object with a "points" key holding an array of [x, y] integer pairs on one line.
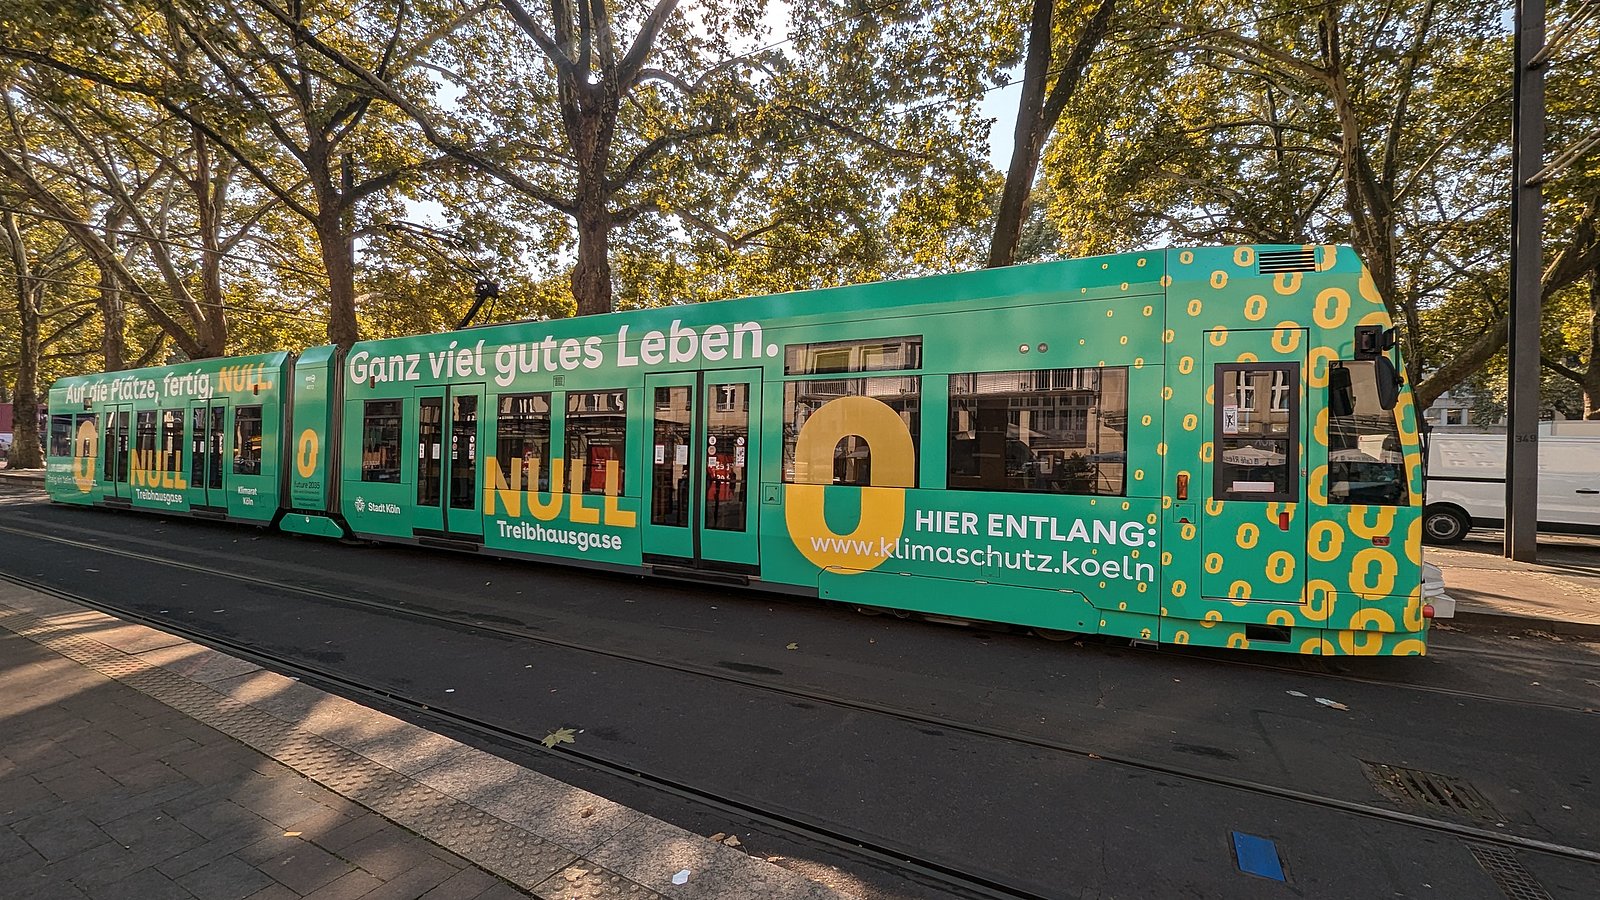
{"points": [[1388, 382], [1341, 396]]}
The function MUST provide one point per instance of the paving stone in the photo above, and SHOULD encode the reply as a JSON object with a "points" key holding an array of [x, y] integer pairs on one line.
{"points": [[304, 867], [224, 818], [387, 853], [153, 829], [281, 801], [589, 882], [225, 879], [22, 797], [12, 846], [353, 831], [206, 853], [274, 892], [464, 885], [84, 784], [145, 884], [416, 881], [60, 833], [502, 891], [97, 866], [150, 775], [349, 886]]}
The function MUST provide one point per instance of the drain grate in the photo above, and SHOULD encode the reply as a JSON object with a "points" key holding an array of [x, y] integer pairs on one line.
{"points": [[1508, 872], [1431, 791]]}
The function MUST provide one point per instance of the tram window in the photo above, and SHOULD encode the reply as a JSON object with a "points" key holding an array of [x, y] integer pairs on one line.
{"points": [[247, 440], [1257, 432], [172, 440], [60, 435], [1061, 431], [1366, 461], [833, 357], [83, 445], [380, 441], [144, 446], [852, 458], [597, 430], [522, 436]]}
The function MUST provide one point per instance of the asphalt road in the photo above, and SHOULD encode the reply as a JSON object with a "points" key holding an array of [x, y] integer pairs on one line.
{"points": [[1056, 810]]}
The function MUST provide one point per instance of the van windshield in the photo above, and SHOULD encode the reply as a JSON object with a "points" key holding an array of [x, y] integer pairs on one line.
{"points": [[1366, 461]]}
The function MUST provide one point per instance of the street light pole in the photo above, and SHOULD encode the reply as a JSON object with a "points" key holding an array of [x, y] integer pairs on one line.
{"points": [[1527, 221]]}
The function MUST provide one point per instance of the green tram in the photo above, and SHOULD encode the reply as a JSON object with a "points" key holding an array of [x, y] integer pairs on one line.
{"points": [[1195, 446]]}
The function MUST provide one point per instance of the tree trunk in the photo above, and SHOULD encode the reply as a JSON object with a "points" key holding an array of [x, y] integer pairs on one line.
{"points": [[114, 319], [1027, 140], [338, 256], [591, 277], [26, 450], [1591, 381]]}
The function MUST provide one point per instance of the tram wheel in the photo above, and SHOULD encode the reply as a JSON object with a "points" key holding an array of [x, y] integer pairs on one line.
{"points": [[1051, 634], [870, 610]]}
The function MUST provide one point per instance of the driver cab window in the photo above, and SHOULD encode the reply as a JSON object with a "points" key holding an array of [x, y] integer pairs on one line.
{"points": [[1366, 461]]}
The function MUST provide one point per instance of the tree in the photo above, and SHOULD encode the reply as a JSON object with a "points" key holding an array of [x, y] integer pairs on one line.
{"points": [[1058, 51]]}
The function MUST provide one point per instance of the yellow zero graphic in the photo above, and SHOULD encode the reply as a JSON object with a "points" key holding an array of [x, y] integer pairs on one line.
{"points": [[1286, 283], [1244, 256], [1325, 541], [305, 454], [1213, 563], [1219, 279], [1195, 306], [882, 502], [1316, 601], [1286, 338], [1255, 308], [1280, 567], [1332, 307], [1373, 572], [1219, 336], [88, 450], [1318, 359], [1248, 534]]}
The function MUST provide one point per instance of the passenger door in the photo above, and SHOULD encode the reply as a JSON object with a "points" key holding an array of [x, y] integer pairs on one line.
{"points": [[114, 447], [1253, 527], [699, 499], [449, 485], [207, 434]]}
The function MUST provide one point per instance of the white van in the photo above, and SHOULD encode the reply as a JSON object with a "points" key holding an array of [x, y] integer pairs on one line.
{"points": [[1467, 481]]}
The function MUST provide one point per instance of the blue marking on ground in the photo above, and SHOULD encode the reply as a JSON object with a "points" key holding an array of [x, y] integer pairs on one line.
{"points": [[1257, 856]]}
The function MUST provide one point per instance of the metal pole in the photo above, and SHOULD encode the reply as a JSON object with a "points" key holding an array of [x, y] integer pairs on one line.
{"points": [[1527, 220]]}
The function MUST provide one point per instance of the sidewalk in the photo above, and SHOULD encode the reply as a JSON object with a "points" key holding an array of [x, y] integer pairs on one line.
{"points": [[23, 475], [1560, 593], [137, 765]]}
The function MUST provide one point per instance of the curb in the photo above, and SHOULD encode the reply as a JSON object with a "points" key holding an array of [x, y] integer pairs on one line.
{"points": [[1589, 630]]}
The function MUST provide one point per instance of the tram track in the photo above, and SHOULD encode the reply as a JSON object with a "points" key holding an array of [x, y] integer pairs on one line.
{"points": [[633, 773], [467, 621]]}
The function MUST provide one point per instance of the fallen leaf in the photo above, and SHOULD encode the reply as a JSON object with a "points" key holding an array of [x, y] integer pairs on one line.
{"points": [[559, 736], [291, 834], [1093, 755], [586, 812], [731, 842], [1294, 693], [717, 838], [1331, 704], [793, 647]]}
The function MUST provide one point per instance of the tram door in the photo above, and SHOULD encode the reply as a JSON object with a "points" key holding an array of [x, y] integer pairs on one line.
{"points": [[700, 506], [114, 451], [207, 434], [449, 484], [1253, 530]]}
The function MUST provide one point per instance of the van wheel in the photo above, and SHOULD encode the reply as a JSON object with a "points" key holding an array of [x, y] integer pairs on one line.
{"points": [[1444, 525]]}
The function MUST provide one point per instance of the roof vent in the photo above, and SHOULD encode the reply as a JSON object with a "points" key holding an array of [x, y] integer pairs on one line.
{"points": [[1271, 262]]}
